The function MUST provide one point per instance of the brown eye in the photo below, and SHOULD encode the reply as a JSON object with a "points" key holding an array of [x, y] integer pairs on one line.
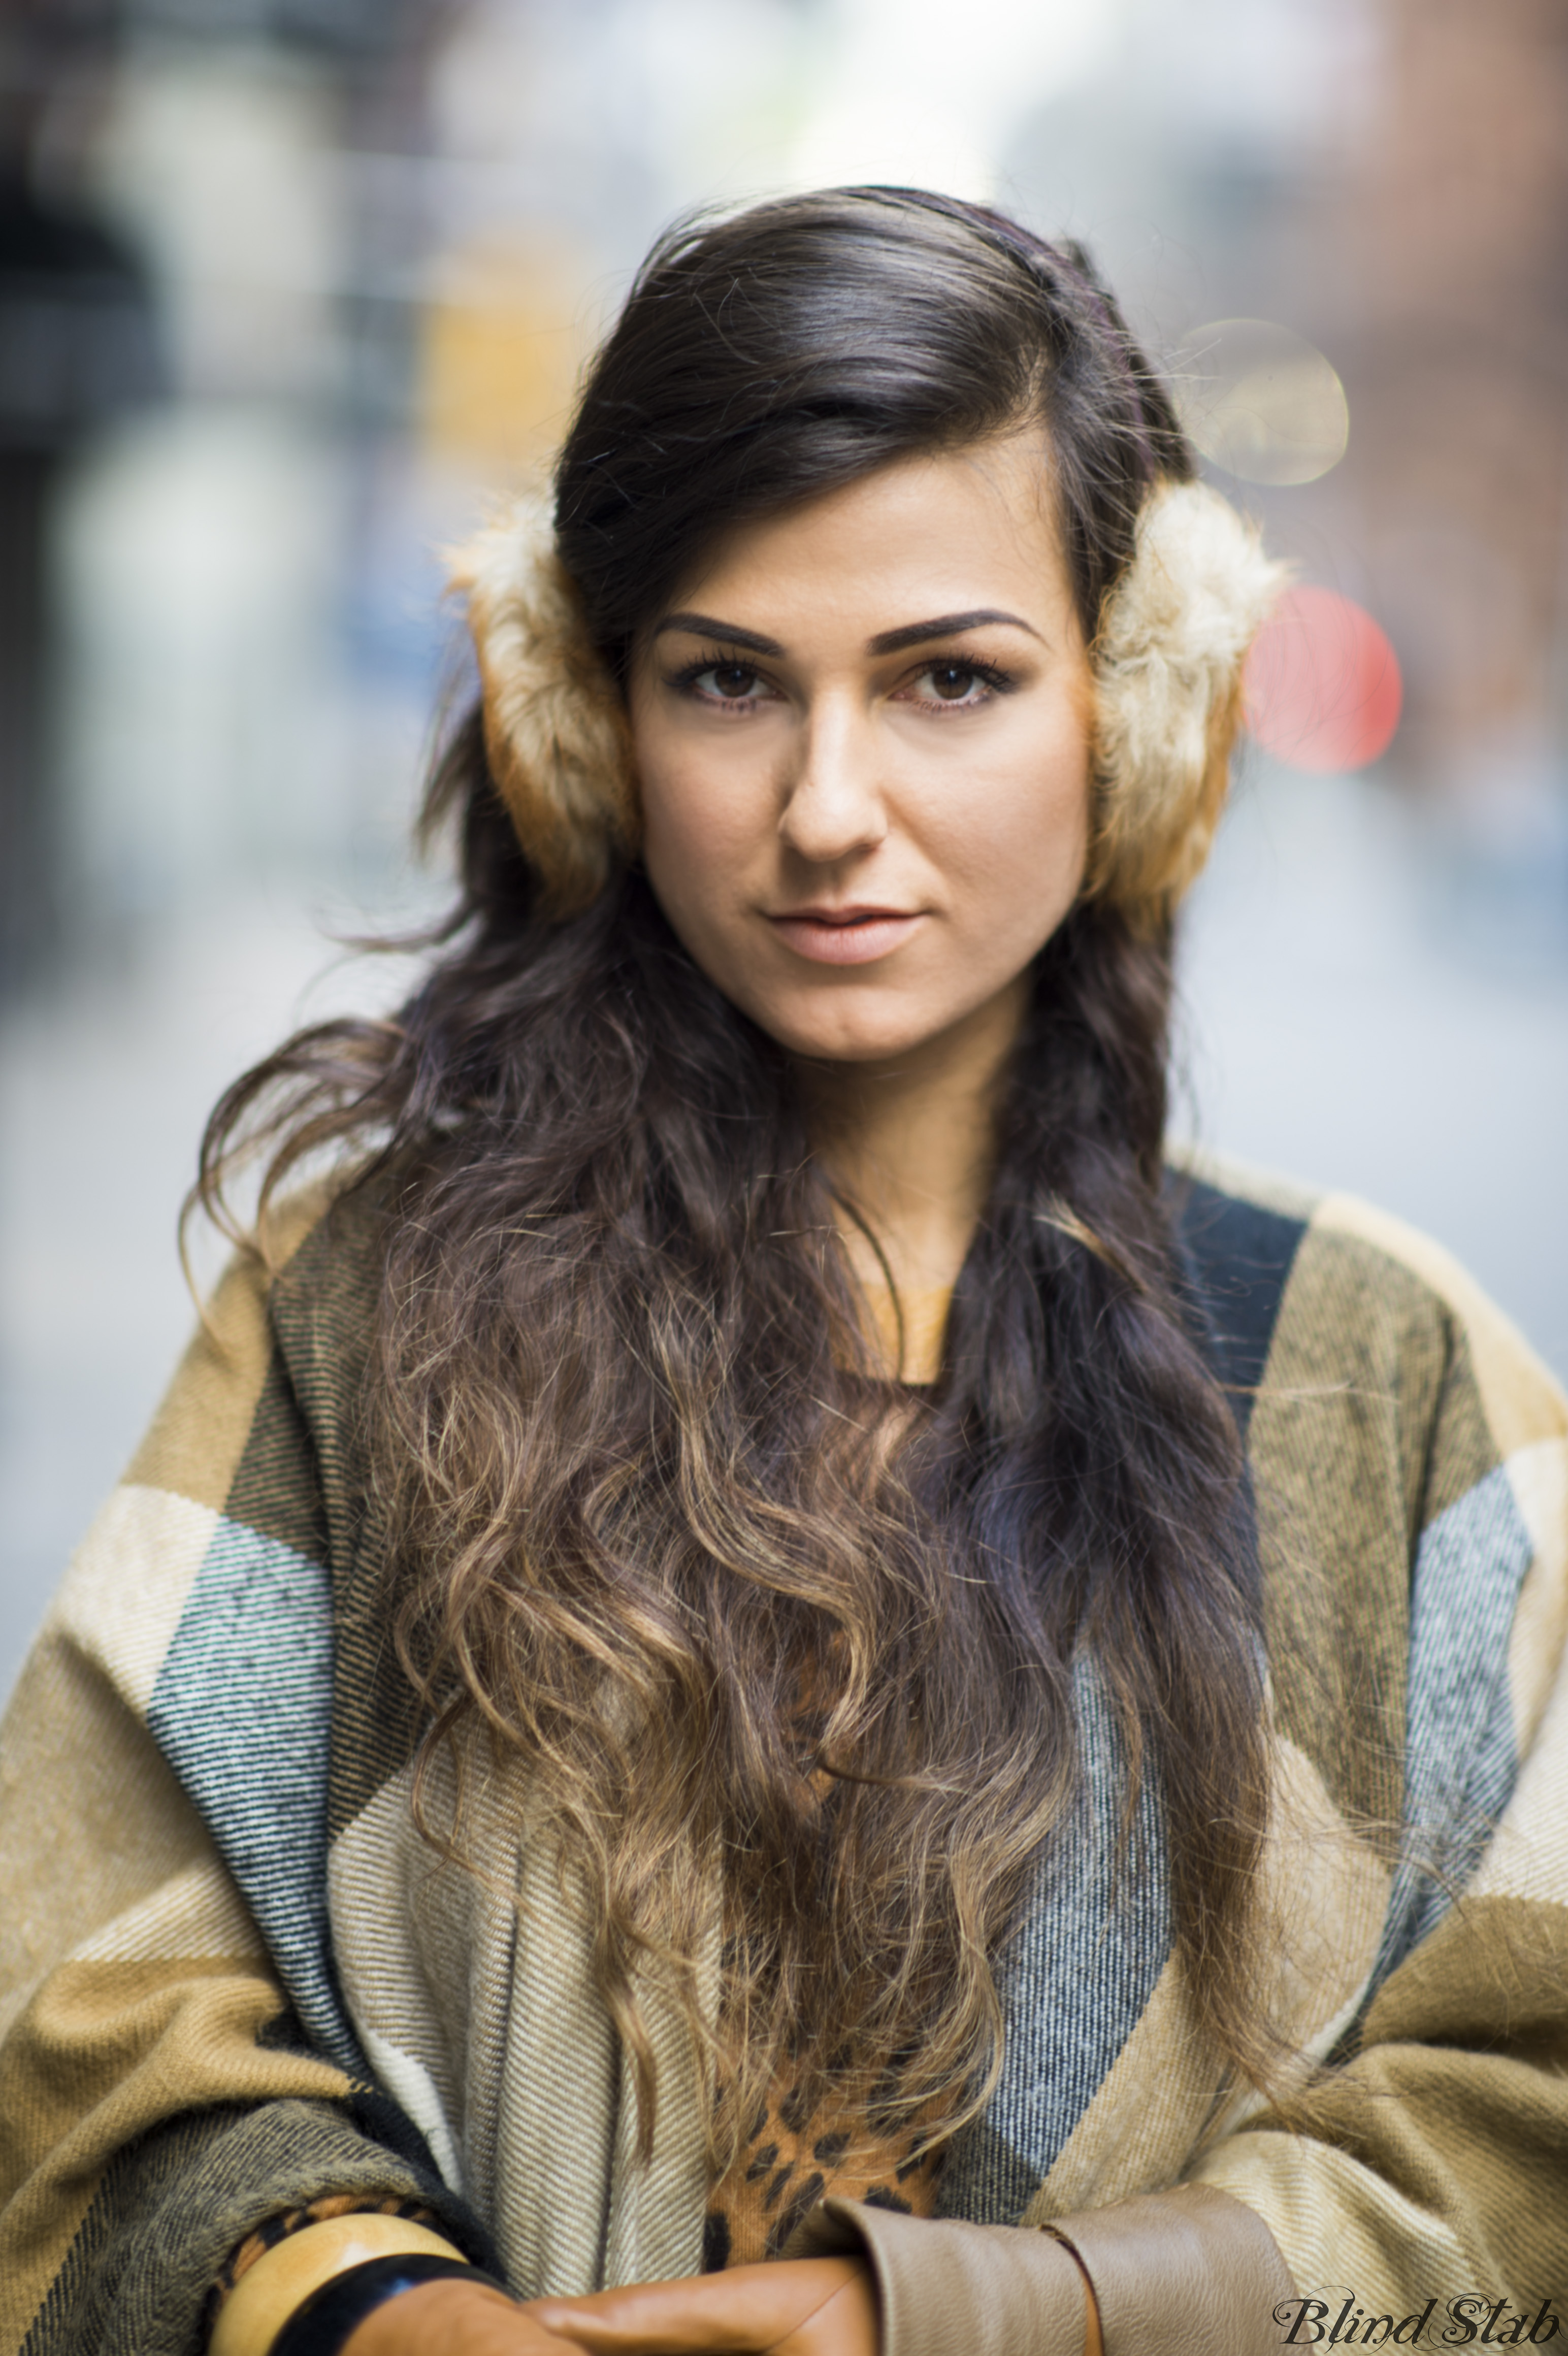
{"points": [[736, 685], [950, 682]]}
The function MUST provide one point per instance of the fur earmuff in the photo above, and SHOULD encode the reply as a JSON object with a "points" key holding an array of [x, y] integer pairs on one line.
{"points": [[1168, 663], [555, 726]]}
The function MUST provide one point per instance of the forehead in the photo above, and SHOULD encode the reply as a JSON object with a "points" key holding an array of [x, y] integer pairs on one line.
{"points": [[953, 529]]}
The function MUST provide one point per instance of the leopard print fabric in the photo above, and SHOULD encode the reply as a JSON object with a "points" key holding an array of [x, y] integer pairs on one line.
{"points": [[791, 2159]]}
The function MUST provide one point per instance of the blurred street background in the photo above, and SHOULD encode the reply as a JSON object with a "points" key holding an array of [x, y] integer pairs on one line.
{"points": [[289, 289]]}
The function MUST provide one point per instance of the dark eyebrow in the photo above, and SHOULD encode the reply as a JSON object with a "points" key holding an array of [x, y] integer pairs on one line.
{"points": [[702, 625], [887, 642], [945, 625]]}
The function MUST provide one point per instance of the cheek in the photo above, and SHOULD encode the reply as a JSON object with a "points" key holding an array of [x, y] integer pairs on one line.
{"points": [[704, 815], [689, 825], [1020, 829]]}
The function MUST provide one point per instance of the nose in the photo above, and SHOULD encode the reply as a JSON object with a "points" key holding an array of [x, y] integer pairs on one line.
{"points": [[834, 806]]}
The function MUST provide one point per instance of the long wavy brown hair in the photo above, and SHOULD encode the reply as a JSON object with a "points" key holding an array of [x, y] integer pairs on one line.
{"points": [[788, 1647]]}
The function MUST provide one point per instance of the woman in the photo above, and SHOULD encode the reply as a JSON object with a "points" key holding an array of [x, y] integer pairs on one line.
{"points": [[757, 1656]]}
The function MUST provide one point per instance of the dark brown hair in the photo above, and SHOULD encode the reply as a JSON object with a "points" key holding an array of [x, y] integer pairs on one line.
{"points": [[790, 1651]]}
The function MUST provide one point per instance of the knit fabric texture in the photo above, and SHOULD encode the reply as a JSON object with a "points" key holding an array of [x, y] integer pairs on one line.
{"points": [[234, 1981]]}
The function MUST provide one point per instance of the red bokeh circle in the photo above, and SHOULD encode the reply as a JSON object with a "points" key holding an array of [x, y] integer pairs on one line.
{"points": [[1323, 686]]}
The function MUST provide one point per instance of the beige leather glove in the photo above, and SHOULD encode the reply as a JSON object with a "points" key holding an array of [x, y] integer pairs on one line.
{"points": [[953, 2289], [1190, 2268], [1185, 2273]]}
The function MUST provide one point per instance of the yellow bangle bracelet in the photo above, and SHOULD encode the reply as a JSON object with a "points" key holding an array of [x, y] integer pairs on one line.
{"points": [[267, 2294]]}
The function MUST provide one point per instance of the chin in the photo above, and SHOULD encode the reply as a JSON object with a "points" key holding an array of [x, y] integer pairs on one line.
{"points": [[869, 1041]]}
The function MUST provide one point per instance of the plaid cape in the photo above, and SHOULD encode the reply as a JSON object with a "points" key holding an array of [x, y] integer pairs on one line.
{"points": [[232, 1978]]}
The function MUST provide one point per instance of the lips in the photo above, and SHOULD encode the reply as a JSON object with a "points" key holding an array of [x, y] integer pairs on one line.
{"points": [[845, 935]]}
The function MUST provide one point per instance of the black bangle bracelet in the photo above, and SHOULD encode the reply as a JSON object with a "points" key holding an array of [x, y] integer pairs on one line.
{"points": [[320, 2324]]}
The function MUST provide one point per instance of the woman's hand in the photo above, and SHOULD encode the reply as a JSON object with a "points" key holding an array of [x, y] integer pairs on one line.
{"points": [[798, 2307], [453, 2318], [807, 2307]]}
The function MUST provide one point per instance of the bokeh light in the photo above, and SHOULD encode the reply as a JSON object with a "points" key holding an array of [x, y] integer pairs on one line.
{"points": [[1261, 402], [1323, 688]]}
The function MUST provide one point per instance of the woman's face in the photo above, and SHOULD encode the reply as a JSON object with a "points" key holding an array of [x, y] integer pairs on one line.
{"points": [[863, 742]]}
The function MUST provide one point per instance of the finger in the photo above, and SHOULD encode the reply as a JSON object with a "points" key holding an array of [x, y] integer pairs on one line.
{"points": [[453, 2318], [847, 2323], [643, 2320], [742, 2312]]}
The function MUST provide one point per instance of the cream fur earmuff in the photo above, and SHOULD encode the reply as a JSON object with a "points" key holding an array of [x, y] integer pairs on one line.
{"points": [[1168, 665], [555, 726]]}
